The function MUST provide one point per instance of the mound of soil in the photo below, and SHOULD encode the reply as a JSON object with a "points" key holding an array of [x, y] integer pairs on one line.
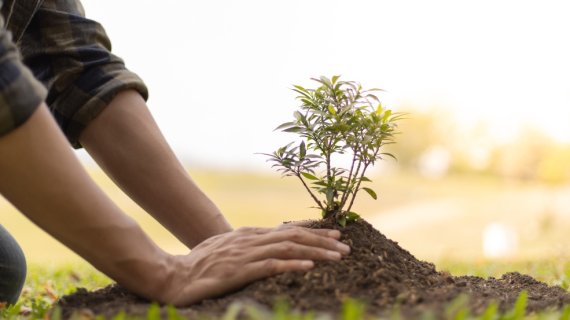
{"points": [[377, 272]]}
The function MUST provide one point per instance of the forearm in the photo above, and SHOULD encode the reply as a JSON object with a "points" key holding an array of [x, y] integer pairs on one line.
{"points": [[126, 142], [44, 180]]}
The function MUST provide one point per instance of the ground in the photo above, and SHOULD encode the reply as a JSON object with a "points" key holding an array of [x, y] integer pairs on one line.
{"points": [[436, 220], [378, 273]]}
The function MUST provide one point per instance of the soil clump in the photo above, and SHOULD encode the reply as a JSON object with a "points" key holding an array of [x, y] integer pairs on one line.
{"points": [[377, 272]]}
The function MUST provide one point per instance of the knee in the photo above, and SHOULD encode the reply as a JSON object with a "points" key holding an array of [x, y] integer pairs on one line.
{"points": [[12, 268]]}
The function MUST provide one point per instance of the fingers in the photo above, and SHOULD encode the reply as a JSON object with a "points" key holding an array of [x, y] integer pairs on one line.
{"points": [[301, 223], [335, 234], [319, 239], [234, 259], [291, 251], [269, 267]]}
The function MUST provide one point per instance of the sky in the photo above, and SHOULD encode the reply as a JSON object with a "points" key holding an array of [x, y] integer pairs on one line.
{"points": [[220, 71]]}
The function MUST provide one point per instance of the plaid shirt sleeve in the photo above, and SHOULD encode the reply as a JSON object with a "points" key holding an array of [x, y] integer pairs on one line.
{"points": [[71, 56], [20, 92]]}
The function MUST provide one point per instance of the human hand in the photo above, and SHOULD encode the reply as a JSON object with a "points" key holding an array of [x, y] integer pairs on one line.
{"points": [[231, 260]]}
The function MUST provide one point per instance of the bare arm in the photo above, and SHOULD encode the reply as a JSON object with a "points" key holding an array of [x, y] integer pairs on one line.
{"points": [[126, 142], [43, 179]]}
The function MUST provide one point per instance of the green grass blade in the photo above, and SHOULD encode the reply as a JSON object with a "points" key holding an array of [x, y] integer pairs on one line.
{"points": [[565, 313], [352, 310], [491, 312], [153, 312]]}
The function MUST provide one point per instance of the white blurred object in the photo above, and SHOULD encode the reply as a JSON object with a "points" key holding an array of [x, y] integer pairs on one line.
{"points": [[434, 162], [499, 241]]}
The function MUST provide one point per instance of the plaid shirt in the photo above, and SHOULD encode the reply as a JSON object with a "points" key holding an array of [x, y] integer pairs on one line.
{"points": [[50, 52]]}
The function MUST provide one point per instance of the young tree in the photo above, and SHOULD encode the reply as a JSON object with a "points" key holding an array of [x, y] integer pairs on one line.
{"points": [[338, 117]]}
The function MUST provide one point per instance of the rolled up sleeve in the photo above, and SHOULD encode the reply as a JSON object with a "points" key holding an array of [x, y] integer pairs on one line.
{"points": [[20, 92]]}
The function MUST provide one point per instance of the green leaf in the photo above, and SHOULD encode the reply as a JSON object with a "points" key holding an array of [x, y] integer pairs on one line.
{"points": [[353, 309], [153, 312], [379, 109], [352, 216], [565, 313], [56, 313], [330, 195], [371, 193], [172, 313], [387, 114], [284, 125], [519, 309], [293, 129], [345, 109], [309, 176], [326, 81], [300, 88], [302, 150], [302, 91], [341, 220], [332, 110], [491, 312], [320, 183], [389, 155], [298, 115], [233, 311], [121, 316], [307, 102], [365, 179], [335, 78]]}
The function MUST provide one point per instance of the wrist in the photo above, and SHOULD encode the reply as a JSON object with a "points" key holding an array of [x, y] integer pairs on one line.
{"points": [[158, 279], [147, 276]]}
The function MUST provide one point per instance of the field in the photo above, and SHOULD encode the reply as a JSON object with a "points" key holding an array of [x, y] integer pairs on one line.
{"points": [[442, 221]]}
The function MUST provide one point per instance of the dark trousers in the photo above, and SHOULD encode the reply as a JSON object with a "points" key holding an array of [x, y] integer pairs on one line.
{"points": [[12, 268]]}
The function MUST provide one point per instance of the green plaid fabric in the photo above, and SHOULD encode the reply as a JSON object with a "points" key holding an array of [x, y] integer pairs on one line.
{"points": [[71, 57], [20, 93]]}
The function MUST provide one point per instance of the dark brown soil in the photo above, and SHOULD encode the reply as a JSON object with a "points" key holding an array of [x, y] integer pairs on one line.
{"points": [[377, 272]]}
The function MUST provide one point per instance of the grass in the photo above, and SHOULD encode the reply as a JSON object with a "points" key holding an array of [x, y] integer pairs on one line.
{"points": [[541, 216], [434, 219], [45, 284]]}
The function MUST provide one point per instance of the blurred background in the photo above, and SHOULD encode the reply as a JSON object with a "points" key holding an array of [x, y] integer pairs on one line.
{"points": [[483, 170]]}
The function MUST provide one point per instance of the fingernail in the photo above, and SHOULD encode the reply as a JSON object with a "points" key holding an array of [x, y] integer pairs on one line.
{"points": [[343, 247], [334, 255], [307, 264]]}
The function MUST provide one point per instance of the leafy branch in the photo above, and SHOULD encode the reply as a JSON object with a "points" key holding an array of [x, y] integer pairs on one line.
{"points": [[337, 117]]}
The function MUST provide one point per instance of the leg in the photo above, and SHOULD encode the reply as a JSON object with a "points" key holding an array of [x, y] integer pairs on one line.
{"points": [[12, 268]]}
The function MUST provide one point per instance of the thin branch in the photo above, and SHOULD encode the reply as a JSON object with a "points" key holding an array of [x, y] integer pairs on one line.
{"points": [[310, 192], [348, 181], [357, 187]]}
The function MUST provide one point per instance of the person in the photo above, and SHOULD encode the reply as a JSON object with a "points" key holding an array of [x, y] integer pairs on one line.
{"points": [[59, 80]]}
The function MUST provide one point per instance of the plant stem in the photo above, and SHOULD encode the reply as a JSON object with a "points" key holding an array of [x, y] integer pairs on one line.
{"points": [[310, 192], [348, 182], [328, 159], [357, 186]]}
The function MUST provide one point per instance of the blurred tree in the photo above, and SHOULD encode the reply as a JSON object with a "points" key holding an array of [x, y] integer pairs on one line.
{"points": [[554, 167], [419, 133], [426, 136], [521, 158]]}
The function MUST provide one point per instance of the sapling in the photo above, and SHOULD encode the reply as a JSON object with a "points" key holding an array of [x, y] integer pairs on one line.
{"points": [[336, 118]]}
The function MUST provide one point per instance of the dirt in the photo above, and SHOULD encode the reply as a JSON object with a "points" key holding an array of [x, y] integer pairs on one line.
{"points": [[377, 272]]}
